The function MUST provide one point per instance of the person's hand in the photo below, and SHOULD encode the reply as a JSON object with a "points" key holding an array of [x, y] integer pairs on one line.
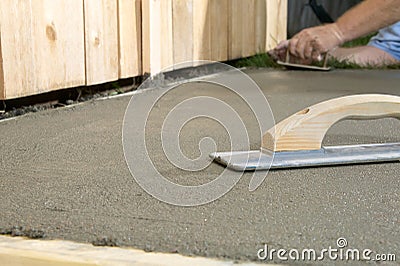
{"points": [[279, 52], [311, 43]]}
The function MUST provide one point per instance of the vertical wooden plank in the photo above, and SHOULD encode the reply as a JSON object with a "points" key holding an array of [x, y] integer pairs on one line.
{"points": [[129, 36], [276, 22], [201, 30], [58, 50], [210, 29], [261, 26], [248, 28], [182, 21], [282, 20], [101, 33], [165, 44], [46, 54], [235, 28], [39, 51], [157, 42], [146, 25], [17, 60], [2, 84], [219, 14]]}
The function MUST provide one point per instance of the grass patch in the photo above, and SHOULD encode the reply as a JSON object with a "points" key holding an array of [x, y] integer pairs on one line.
{"points": [[258, 60], [359, 42], [265, 61]]}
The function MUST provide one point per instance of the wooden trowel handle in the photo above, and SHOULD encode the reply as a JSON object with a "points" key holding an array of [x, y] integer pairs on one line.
{"points": [[306, 129]]}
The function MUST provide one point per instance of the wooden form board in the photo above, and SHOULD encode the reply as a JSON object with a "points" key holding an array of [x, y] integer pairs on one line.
{"points": [[176, 31], [157, 42], [202, 29], [255, 26], [179, 32], [129, 34], [59, 51], [182, 33], [248, 28], [101, 39], [53, 44], [242, 28], [235, 29], [210, 30], [16, 50], [261, 26], [276, 16], [39, 51], [16, 251], [218, 10]]}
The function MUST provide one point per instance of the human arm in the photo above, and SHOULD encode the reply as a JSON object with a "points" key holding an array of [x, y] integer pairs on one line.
{"points": [[368, 16]]}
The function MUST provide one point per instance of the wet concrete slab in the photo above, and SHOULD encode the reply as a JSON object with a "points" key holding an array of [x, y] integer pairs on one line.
{"points": [[63, 172]]}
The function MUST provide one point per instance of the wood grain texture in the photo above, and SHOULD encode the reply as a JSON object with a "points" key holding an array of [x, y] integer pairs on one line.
{"points": [[235, 29], [52, 44], [248, 28], [18, 251], [39, 50], [182, 24], [101, 33], [219, 17], [146, 25], [59, 52], [165, 43], [202, 30], [242, 28], [157, 39], [17, 57], [129, 37], [210, 30], [306, 129], [261, 26], [276, 22]]}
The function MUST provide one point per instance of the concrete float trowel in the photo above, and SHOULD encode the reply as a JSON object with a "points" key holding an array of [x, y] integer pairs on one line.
{"points": [[297, 140], [292, 64]]}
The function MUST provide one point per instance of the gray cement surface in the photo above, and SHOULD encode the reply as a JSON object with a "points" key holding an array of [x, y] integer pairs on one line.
{"points": [[63, 172]]}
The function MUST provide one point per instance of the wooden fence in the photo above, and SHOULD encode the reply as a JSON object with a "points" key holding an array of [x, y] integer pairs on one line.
{"points": [[47, 45]]}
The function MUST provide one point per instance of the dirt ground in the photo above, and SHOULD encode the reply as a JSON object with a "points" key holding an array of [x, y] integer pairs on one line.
{"points": [[63, 172]]}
